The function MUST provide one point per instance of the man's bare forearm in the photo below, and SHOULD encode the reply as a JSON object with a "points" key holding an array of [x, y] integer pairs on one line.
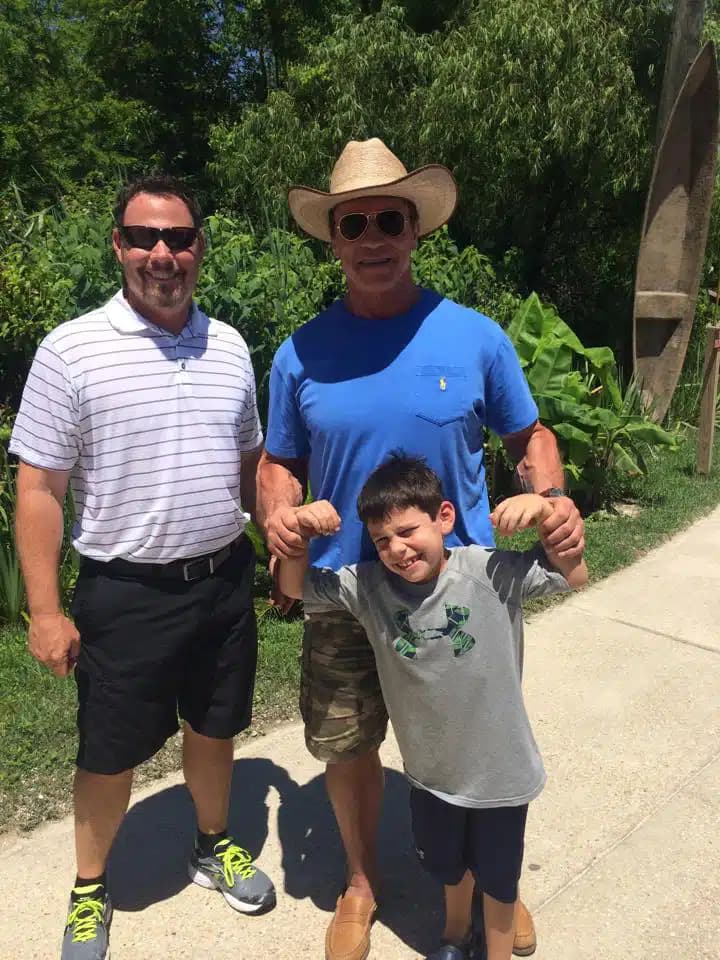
{"points": [[279, 484], [39, 533], [574, 570], [291, 575], [539, 466], [248, 481]]}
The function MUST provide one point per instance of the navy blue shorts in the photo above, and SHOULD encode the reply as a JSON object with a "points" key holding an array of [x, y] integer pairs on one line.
{"points": [[451, 840]]}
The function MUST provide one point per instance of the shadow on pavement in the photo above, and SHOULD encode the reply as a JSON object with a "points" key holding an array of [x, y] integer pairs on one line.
{"points": [[149, 858], [314, 865]]}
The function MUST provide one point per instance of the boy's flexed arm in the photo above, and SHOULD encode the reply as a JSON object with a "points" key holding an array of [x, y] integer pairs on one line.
{"points": [[530, 510], [315, 519]]}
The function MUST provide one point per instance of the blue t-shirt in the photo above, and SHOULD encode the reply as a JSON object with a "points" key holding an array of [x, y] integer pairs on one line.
{"points": [[345, 391]]}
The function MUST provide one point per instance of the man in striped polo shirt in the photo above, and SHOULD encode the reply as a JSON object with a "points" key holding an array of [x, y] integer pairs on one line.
{"points": [[146, 407]]}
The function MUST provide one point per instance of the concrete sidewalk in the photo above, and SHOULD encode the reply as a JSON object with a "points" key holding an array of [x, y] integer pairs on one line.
{"points": [[623, 849]]}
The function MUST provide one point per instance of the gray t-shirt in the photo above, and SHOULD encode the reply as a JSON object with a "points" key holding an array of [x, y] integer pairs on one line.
{"points": [[449, 656]]}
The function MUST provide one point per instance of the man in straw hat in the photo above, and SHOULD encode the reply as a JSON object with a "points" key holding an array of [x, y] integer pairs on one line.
{"points": [[389, 365]]}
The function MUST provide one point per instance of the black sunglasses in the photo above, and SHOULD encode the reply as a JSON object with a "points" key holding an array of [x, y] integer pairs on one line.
{"points": [[174, 238], [354, 225]]}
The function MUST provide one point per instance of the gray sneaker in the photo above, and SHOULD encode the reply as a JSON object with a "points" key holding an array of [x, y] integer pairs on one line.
{"points": [[231, 870], [88, 924]]}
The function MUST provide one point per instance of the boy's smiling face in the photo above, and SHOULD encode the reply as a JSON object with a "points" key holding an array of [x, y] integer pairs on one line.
{"points": [[410, 542]]}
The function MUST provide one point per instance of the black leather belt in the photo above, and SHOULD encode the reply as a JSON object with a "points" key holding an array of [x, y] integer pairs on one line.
{"points": [[192, 568]]}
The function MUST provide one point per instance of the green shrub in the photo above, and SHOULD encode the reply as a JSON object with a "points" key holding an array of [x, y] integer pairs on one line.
{"points": [[465, 276], [603, 431], [264, 286], [62, 266], [12, 590]]}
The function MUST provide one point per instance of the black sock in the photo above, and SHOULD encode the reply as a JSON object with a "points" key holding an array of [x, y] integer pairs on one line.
{"points": [[206, 842], [88, 882]]}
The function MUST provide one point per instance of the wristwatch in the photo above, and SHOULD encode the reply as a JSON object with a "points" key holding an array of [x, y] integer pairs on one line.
{"points": [[553, 492]]}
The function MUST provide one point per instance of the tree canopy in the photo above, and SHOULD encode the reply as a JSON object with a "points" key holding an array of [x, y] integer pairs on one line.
{"points": [[544, 111]]}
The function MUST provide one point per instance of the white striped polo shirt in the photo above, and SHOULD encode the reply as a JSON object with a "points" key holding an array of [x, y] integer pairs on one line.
{"points": [[152, 427]]}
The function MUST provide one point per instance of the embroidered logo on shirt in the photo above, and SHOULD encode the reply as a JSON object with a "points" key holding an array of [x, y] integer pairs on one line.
{"points": [[409, 640]]}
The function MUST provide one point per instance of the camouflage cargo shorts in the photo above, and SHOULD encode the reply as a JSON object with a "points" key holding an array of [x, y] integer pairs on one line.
{"points": [[340, 697]]}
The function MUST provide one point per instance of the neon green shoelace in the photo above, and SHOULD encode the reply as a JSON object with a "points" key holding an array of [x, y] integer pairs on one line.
{"points": [[236, 862], [84, 918]]}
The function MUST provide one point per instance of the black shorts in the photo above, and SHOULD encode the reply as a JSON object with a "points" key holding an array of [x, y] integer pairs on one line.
{"points": [[488, 841], [152, 648]]}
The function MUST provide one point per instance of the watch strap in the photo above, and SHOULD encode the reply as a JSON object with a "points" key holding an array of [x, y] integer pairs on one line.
{"points": [[552, 492]]}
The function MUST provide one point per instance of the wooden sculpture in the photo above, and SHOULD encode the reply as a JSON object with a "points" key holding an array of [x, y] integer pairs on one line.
{"points": [[674, 234]]}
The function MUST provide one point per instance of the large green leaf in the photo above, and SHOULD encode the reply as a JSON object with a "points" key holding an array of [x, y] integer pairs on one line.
{"points": [[548, 347], [579, 442], [575, 387], [605, 419], [526, 328], [550, 367], [651, 433], [554, 410], [623, 460], [600, 357], [555, 326]]}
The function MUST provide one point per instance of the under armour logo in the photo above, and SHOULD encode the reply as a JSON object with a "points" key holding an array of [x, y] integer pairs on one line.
{"points": [[409, 640]]}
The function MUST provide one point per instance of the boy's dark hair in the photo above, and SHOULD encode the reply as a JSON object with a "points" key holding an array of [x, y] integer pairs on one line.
{"points": [[401, 481], [162, 185]]}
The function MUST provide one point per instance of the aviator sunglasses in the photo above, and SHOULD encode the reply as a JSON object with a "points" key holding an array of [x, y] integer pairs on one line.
{"points": [[354, 225], [174, 238]]}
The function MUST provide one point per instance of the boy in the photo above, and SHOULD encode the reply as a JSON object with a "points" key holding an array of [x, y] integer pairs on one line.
{"points": [[446, 627]]}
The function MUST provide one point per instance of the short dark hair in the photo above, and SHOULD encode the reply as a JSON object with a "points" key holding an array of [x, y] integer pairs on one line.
{"points": [[412, 213], [162, 185], [402, 481]]}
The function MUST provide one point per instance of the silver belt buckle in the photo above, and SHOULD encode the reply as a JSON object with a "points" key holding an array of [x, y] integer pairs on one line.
{"points": [[188, 578], [221, 555]]}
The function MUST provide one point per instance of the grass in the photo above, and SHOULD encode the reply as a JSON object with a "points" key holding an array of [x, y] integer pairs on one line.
{"points": [[37, 711], [37, 723], [670, 498]]}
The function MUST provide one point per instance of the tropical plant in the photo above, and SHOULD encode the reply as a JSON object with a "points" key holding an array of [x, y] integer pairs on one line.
{"points": [[604, 431]]}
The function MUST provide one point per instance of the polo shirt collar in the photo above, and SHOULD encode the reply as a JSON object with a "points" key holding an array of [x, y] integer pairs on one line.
{"points": [[125, 319]]}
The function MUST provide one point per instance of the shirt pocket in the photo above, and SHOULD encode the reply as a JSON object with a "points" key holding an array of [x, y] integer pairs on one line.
{"points": [[442, 393]]}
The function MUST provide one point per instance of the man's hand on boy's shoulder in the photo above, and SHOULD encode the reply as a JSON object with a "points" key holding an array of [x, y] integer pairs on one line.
{"points": [[319, 518], [563, 531], [520, 512]]}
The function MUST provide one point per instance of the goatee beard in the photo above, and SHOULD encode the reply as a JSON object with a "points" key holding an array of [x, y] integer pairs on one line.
{"points": [[168, 292]]}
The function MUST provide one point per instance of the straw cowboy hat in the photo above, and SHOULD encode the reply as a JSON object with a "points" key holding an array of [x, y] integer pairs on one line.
{"points": [[366, 168]]}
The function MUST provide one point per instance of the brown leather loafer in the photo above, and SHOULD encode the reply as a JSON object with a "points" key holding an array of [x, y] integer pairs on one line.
{"points": [[525, 942], [348, 936]]}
